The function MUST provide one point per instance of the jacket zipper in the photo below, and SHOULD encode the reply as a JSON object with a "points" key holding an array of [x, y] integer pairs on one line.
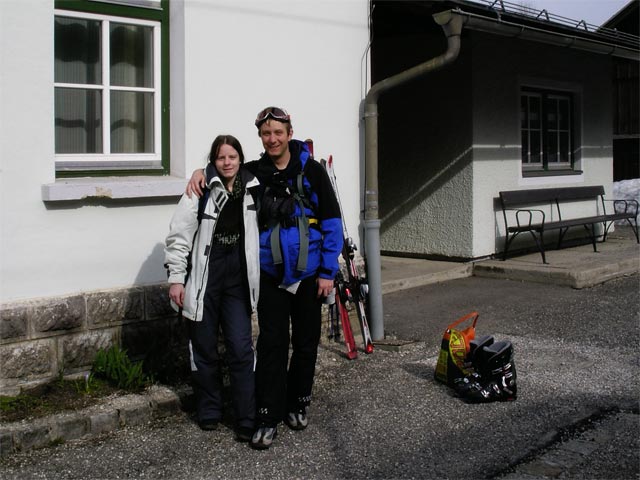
{"points": [[206, 268]]}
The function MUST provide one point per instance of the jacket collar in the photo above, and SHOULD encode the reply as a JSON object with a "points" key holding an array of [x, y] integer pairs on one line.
{"points": [[211, 174], [299, 156], [213, 180], [248, 179]]}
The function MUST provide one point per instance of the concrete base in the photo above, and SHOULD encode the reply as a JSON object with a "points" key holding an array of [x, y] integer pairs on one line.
{"points": [[393, 345], [577, 267], [400, 273]]}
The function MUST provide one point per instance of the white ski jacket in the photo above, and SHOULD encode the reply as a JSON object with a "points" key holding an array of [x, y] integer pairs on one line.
{"points": [[184, 235]]}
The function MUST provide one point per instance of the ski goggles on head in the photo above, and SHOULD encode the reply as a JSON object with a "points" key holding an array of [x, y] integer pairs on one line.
{"points": [[273, 112]]}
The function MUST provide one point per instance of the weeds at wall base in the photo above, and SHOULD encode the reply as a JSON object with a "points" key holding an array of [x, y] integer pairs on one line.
{"points": [[113, 373]]}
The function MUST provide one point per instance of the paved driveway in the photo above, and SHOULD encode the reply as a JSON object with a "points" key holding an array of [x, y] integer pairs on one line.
{"points": [[382, 416]]}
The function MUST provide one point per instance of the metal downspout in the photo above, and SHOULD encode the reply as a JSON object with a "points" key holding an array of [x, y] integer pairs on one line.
{"points": [[452, 26]]}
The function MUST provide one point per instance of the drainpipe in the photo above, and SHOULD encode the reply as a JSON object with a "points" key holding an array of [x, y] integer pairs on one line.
{"points": [[452, 26]]}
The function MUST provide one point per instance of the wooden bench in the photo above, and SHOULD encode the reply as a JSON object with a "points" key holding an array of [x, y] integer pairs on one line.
{"points": [[535, 221]]}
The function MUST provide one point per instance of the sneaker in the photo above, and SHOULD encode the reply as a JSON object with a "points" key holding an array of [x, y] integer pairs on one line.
{"points": [[298, 420], [263, 438], [244, 434], [208, 425]]}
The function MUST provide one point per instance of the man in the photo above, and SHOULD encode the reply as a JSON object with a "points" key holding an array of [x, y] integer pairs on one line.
{"points": [[300, 242]]}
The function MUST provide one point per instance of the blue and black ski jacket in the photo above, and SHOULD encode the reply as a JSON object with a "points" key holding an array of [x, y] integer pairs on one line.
{"points": [[288, 215]]}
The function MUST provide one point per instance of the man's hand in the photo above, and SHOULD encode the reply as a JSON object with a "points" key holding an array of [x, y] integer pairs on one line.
{"points": [[324, 287], [196, 183], [176, 293]]}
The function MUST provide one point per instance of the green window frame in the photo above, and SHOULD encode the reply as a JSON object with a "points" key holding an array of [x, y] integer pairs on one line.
{"points": [[111, 87]]}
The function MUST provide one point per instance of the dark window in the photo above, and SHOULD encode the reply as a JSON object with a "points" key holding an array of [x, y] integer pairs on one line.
{"points": [[546, 130]]}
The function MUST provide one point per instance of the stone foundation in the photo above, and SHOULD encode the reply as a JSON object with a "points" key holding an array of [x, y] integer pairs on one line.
{"points": [[43, 339], [46, 338]]}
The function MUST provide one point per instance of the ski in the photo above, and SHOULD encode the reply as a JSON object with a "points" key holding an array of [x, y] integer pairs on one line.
{"points": [[350, 342], [338, 314], [355, 288]]}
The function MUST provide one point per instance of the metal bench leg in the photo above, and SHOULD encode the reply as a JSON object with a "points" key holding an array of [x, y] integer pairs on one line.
{"points": [[606, 230], [507, 243], [540, 244], [634, 227], [561, 235], [592, 234]]}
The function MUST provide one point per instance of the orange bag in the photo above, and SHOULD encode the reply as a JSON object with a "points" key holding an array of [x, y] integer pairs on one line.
{"points": [[452, 360]]}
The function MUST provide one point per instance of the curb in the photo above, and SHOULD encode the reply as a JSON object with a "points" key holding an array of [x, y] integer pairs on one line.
{"points": [[451, 273], [112, 414], [585, 278], [577, 268]]}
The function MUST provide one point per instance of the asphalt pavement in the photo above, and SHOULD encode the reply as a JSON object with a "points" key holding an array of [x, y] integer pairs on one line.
{"points": [[383, 416]]}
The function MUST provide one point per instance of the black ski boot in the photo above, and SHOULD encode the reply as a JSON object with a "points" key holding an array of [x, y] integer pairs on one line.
{"points": [[475, 347], [494, 378], [462, 384]]}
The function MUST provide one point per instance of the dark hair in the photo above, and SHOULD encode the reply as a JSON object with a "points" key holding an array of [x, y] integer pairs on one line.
{"points": [[225, 140], [286, 123]]}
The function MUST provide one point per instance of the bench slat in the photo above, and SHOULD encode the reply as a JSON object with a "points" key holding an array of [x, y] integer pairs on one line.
{"points": [[511, 198], [571, 222]]}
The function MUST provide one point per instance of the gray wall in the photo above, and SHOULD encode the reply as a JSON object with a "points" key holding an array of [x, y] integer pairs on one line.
{"points": [[425, 155]]}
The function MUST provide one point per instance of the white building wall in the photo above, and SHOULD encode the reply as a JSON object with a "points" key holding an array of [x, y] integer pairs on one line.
{"points": [[496, 132], [229, 59]]}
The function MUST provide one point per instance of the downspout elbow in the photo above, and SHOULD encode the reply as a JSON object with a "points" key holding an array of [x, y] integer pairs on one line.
{"points": [[451, 23]]}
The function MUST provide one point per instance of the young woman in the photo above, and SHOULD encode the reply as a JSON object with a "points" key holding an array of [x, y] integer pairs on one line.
{"points": [[213, 262]]}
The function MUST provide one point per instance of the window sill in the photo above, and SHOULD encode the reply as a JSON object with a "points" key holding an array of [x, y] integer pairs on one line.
{"points": [[113, 187], [550, 173]]}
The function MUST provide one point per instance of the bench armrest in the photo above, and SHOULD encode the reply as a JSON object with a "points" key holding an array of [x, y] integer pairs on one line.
{"points": [[630, 206], [527, 213]]}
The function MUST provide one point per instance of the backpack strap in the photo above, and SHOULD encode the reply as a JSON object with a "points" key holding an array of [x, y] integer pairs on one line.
{"points": [[303, 225], [202, 203], [275, 244]]}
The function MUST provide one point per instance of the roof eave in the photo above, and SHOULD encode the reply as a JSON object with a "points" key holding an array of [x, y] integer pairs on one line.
{"points": [[499, 26]]}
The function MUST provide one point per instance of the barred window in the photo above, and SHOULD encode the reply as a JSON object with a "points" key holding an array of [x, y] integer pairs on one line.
{"points": [[546, 130]]}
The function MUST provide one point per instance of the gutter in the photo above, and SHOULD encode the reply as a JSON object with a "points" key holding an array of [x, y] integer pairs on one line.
{"points": [[451, 23], [515, 30]]}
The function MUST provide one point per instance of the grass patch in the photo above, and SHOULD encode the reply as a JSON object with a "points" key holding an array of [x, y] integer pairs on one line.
{"points": [[112, 373], [54, 397], [115, 366]]}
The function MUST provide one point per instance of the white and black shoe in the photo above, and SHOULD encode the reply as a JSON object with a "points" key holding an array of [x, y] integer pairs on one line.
{"points": [[297, 420], [263, 437]]}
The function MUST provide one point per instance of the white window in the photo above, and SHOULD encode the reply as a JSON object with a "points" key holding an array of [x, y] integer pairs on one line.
{"points": [[108, 110]]}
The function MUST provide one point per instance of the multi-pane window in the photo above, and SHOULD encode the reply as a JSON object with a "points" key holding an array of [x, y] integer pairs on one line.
{"points": [[108, 92], [546, 128]]}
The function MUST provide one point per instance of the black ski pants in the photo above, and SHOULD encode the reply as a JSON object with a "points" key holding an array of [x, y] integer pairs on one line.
{"points": [[280, 389], [226, 305]]}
